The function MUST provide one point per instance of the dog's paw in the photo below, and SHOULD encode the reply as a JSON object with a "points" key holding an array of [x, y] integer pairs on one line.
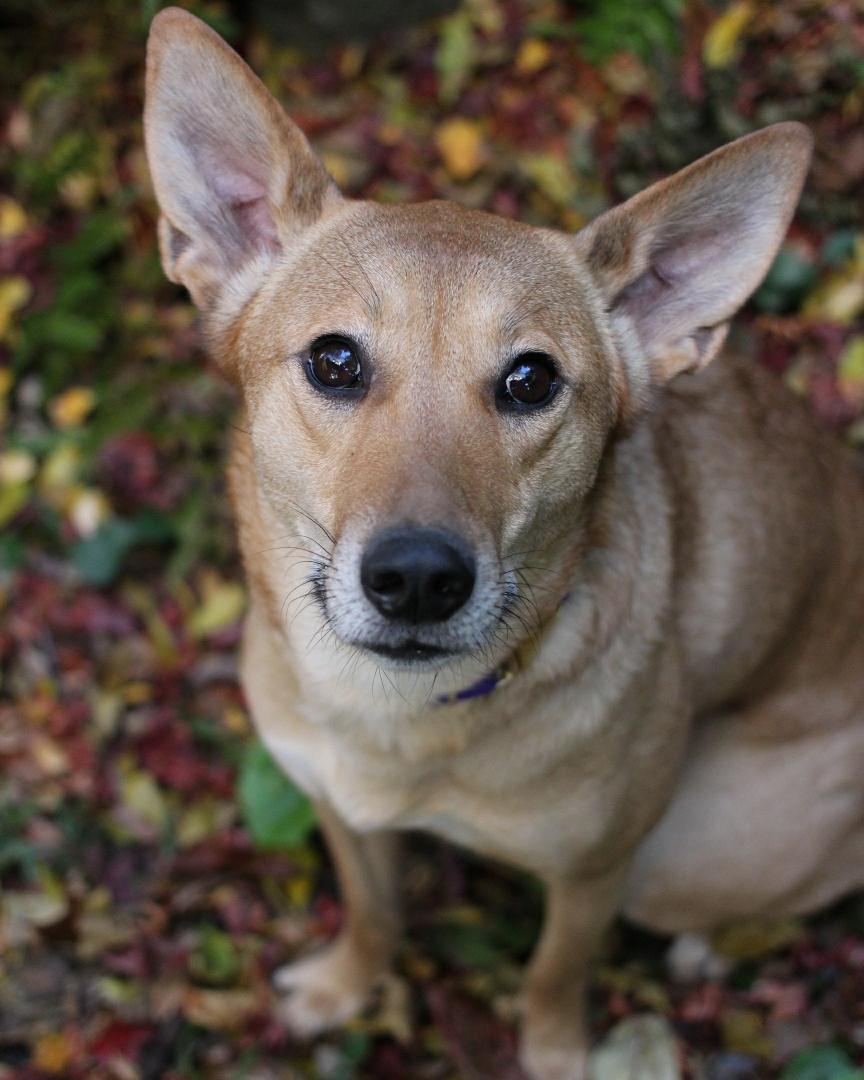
{"points": [[544, 1062], [325, 990]]}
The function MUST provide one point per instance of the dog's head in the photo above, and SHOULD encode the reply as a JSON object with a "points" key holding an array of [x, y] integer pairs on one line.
{"points": [[431, 390]]}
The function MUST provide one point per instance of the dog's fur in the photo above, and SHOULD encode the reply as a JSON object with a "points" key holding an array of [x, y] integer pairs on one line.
{"points": [[674, 555]]}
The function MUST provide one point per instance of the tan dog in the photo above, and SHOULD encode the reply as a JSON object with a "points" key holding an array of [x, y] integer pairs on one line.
{"points": [[509, 583]]}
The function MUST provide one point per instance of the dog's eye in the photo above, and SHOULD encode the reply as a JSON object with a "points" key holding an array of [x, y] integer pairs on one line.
{"points": [[530, 382], [334, 364]]}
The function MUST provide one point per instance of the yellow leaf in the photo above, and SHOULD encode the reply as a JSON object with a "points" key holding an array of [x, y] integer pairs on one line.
{"points": [[49, 755], [298, 890], [626, 74], [224, 602], [721, 41], [52, 1052], [13, 219], [351, 61], [220, 1008], [390, 133], [87, 509], [750, 939], [393, 1014], [59, 473], [43, 906], [137, 693], [744, 1031], [161, 636], [15, 291], [335, 164], [98, 932], [5, 381], [204, 818], [460, 144], [118, 992], [236, 720], [850, 370], [840, 298], [17, 467], [12, 498], [143, 798], [71, 408], [552, 175], [533, 55], [79, 190]]}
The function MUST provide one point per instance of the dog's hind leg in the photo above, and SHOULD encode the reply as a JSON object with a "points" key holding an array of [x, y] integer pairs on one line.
{"points": [[330, 986]]}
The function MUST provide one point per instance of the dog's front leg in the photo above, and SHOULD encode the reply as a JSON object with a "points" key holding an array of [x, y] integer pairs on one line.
{"points": [[555, 1038], [330, 986]]}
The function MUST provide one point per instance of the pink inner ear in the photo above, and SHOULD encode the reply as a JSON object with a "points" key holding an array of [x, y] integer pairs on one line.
{"points": [[243, 196], [255, 219]]}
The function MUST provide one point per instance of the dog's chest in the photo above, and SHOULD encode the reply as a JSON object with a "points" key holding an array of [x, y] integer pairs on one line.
{"points": [[489, 798], [375, 790]]}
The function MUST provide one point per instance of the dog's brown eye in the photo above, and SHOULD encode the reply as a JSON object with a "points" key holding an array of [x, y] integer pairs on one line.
{"points": [[530, 382], [334, 364]]}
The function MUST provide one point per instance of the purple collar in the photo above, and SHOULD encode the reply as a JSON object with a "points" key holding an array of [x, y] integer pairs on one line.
{"points": [[489, 683], [484, 686]]}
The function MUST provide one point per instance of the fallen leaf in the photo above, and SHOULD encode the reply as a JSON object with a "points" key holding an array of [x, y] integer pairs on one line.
{"points": [[13, 218], [52, 1052], [71, 408], [223, 604], [750, 939], [460, 143], [533, 55], [744, 1031], [220, 1009], [850, 371], [17, 467], [88, 508], [15, 291], [721, 41], [638, 1048]]}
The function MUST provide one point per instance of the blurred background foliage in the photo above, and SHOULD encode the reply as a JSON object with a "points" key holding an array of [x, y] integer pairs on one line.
{"points": [[154, 866]]}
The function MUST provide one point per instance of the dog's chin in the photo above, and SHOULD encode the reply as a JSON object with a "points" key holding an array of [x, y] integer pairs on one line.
{"points": [[410, 655]]}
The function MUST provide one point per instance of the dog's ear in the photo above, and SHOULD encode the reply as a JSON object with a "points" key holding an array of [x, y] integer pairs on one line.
{"points": [[236, 180], [676, 261]]}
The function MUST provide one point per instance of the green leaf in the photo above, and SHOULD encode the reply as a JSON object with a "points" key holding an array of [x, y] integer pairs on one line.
{"points": [[215, 961], [839, 246], [611, 26], [464, 945], [101, 233], [12, 552], [455, 55], [822, 1063], [98, 557], [12, 498], [69, 331], [788, 281], [276, 813]]}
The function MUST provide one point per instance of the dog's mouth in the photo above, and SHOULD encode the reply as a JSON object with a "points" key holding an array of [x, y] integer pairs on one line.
{"points": [[411, 652]]}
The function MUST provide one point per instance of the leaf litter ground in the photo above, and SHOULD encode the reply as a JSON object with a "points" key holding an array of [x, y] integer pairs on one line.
{"points": [[154, 866]]}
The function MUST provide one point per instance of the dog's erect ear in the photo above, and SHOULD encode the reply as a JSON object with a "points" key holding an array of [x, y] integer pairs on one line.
{"points": [[236, 180], [680, 258]]}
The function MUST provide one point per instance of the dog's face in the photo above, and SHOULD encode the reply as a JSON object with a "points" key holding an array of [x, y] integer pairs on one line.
{"points": [[431, 390], [432, 396]]}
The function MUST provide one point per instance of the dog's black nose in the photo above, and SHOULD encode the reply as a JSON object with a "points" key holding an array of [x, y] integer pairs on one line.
{"points": [[419, 575]]}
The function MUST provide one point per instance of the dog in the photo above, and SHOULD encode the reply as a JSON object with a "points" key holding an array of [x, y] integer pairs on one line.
{"points": [[525, 571]]}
